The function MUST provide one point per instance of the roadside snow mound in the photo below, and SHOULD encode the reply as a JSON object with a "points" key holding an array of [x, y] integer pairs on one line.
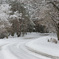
{"points": [[42, 46]]}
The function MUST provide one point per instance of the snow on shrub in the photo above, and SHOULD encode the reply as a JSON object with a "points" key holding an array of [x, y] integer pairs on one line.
{"points": [[4, 21]]}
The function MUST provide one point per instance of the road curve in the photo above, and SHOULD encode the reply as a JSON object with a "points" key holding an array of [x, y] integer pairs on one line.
{"points": [[18, 50]]}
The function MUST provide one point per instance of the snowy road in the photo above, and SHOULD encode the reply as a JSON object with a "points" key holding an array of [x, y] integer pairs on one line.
{"points": [[1, 55], [15, 48], [20, 51]]}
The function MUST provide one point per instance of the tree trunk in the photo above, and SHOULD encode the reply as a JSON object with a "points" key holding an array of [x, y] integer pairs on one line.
{"points": [[58, 34], [58, 31]]}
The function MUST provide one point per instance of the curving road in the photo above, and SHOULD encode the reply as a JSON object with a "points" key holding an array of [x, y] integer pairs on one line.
{"points": [[15, 49], [18, 51]]}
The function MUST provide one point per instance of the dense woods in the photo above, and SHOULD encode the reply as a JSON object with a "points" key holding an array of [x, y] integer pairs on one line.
{"points": [[25, 16]]}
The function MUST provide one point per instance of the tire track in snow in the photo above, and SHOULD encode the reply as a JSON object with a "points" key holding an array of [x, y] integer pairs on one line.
{"points": [[20, 52], [1, 54], [6, 52]]}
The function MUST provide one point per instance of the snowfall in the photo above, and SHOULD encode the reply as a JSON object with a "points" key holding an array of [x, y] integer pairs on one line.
{"points": [[31, 46]]}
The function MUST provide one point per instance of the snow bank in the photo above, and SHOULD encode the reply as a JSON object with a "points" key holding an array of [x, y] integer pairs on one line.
{"points": [[42, 46]]}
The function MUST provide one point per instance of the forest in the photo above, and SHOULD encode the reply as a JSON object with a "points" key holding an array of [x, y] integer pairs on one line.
{"points": [[28, 16]]}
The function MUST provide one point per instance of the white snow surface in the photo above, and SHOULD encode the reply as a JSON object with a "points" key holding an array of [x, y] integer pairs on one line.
{"points": [[15, 47], [41, 45]]}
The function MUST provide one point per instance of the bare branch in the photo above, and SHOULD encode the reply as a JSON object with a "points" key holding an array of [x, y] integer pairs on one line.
{"points": [[54, 20], [54, 5]]}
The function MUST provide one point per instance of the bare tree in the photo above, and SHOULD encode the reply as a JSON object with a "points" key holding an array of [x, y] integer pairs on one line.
{"points": [[55, 16]]}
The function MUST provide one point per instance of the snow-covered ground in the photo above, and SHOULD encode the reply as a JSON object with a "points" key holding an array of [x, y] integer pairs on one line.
{"points": [[18, 47], [43, 47]]}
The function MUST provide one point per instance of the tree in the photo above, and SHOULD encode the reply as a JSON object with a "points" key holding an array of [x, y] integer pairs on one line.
{"points": [[55, 16], [4, 22], [20, 11]]}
